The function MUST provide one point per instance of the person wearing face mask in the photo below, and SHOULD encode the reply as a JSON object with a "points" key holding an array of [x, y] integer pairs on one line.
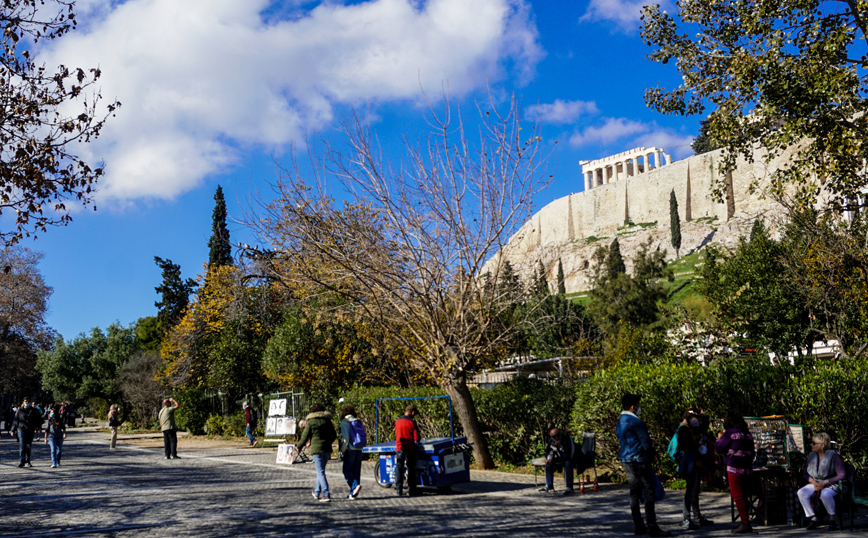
{"points": [[25, 423], [55, 433], [689, 468], [637, 455]]}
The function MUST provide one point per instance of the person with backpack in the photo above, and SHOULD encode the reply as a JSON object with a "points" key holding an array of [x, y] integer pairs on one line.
{"points": [[686, 450], [637, 455], [353, 440], [737, 446], [251, 419], [319, 430]]}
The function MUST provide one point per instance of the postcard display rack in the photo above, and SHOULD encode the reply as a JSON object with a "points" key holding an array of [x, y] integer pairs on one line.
{"points": [[773, 440], [277, 427], [770, 440]]}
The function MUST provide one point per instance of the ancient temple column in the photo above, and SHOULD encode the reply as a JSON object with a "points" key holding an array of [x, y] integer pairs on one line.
{"points": [[617, 172], [648, 162], [657, 159], [587, 181]]}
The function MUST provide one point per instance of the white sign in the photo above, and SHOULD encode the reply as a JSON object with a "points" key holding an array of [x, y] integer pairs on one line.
{"points": [[277, 408], [454, 463], [286, 453]]}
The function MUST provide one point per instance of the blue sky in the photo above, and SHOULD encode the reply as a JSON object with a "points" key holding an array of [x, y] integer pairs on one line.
{"points": [[214, 91]]}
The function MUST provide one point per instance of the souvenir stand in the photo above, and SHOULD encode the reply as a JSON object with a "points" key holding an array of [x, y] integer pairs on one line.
{"points": [[775, 483], [279, 426], [442, 462]]}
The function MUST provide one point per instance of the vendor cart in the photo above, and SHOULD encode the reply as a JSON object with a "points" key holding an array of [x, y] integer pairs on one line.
{"points": [[441, 462]]}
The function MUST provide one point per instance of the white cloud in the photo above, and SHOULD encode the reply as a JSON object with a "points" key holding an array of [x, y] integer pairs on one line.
{"points": [[614, 129], [560, 111], [201, 80], [634, 134], [623, 13]]}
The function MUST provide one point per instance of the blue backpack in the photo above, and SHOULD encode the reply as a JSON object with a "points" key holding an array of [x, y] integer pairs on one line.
{"points": [[358, 437]]}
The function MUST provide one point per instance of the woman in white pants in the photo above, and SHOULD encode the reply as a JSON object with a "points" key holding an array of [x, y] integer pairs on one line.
{"points": [[824, 472]]}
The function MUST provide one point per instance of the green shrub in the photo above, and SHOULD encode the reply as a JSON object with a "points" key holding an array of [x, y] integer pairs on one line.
{"points": [[514, 416], [215, 425], [821, 395], [194, 410]]}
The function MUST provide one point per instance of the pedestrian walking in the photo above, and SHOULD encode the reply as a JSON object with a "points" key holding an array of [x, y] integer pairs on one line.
{"points": [[637, 455], [319, 430], [353, 440], [114, 421], [250, 419], [406, 437], [737, 446], [24, 424], [169, 428], [55, 433]]}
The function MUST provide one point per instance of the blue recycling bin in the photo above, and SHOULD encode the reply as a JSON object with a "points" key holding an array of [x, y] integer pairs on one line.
{"points": [[441, 462]]}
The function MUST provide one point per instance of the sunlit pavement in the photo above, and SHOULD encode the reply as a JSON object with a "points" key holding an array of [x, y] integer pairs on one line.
{"points": [[135, 491]]}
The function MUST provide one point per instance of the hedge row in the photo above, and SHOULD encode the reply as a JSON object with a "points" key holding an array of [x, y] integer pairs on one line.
{"points": [[830, 396], [514, 415]]}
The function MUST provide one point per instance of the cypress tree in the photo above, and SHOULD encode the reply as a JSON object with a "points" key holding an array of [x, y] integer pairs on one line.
{"points": [[615, 261], [542, 285], [220, 251], [562, 287], [674, 222]]}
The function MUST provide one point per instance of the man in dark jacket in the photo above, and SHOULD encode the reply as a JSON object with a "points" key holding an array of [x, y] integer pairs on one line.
{"points": [[24, 424], [406, 437], [559, 451], [319, 430], [250, 419], [637, 455]]}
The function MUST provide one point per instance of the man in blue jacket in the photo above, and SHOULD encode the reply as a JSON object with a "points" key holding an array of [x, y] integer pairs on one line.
{"points": [[637, 455]]}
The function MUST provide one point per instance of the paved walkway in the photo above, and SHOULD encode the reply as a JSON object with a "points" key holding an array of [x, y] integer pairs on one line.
{"points": [[134, 491]]}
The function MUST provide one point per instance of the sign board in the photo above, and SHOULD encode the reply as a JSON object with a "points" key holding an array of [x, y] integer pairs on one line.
{"points": [[796, 438], [286, 453], [277, 408], [454, 463]]}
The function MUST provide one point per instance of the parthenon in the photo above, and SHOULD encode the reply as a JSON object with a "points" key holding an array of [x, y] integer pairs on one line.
{"points": [[623, 165]]}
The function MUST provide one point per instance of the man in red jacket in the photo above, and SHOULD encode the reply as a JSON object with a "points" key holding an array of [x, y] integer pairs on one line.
{"points": [[406, 437]]}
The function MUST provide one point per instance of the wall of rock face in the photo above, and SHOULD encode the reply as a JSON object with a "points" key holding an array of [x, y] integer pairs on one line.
{"points": [[636, 209]]}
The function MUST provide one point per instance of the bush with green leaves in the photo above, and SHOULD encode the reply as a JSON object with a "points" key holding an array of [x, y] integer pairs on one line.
{"points": [[514, 416], [822, 395], [193, 411]]}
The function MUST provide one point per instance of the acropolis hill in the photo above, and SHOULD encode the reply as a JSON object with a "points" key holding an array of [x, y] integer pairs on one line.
{"points": [[627, 195]]}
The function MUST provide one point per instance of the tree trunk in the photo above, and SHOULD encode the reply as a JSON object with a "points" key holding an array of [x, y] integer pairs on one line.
{"points": [[466, 410]]}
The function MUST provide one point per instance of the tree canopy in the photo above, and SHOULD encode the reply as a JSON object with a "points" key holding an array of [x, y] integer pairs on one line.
{"points": [[45, 115], [781, 75]]}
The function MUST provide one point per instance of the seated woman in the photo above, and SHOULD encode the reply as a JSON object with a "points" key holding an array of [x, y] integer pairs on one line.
{"points": [[824, 472]]}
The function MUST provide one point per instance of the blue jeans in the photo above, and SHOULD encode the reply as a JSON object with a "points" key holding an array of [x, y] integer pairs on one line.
{"points": [[250, 434], [56, 445], [25, 441], [352, 468], [568, 472], [321, 488]]}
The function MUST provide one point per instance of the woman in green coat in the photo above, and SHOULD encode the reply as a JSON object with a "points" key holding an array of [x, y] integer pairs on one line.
{"points": [[319, 430]]}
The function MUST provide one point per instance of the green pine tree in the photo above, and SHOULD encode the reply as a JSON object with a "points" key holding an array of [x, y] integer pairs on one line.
{"points": [[615, 261], [174, 293], [562, 287], [220, 251], [542, 285], [674, 223]]}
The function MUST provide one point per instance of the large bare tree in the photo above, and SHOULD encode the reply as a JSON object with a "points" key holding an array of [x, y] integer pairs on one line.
{"points": [[408, 246]]}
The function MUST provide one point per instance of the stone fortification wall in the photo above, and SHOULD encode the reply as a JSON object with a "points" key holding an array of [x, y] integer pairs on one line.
{"points": [[565, 228]]}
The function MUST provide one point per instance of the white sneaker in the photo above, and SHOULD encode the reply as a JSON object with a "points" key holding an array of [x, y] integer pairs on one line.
{"points": [[356, 490], [325, 499], [350, 497], [315, 495]]}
